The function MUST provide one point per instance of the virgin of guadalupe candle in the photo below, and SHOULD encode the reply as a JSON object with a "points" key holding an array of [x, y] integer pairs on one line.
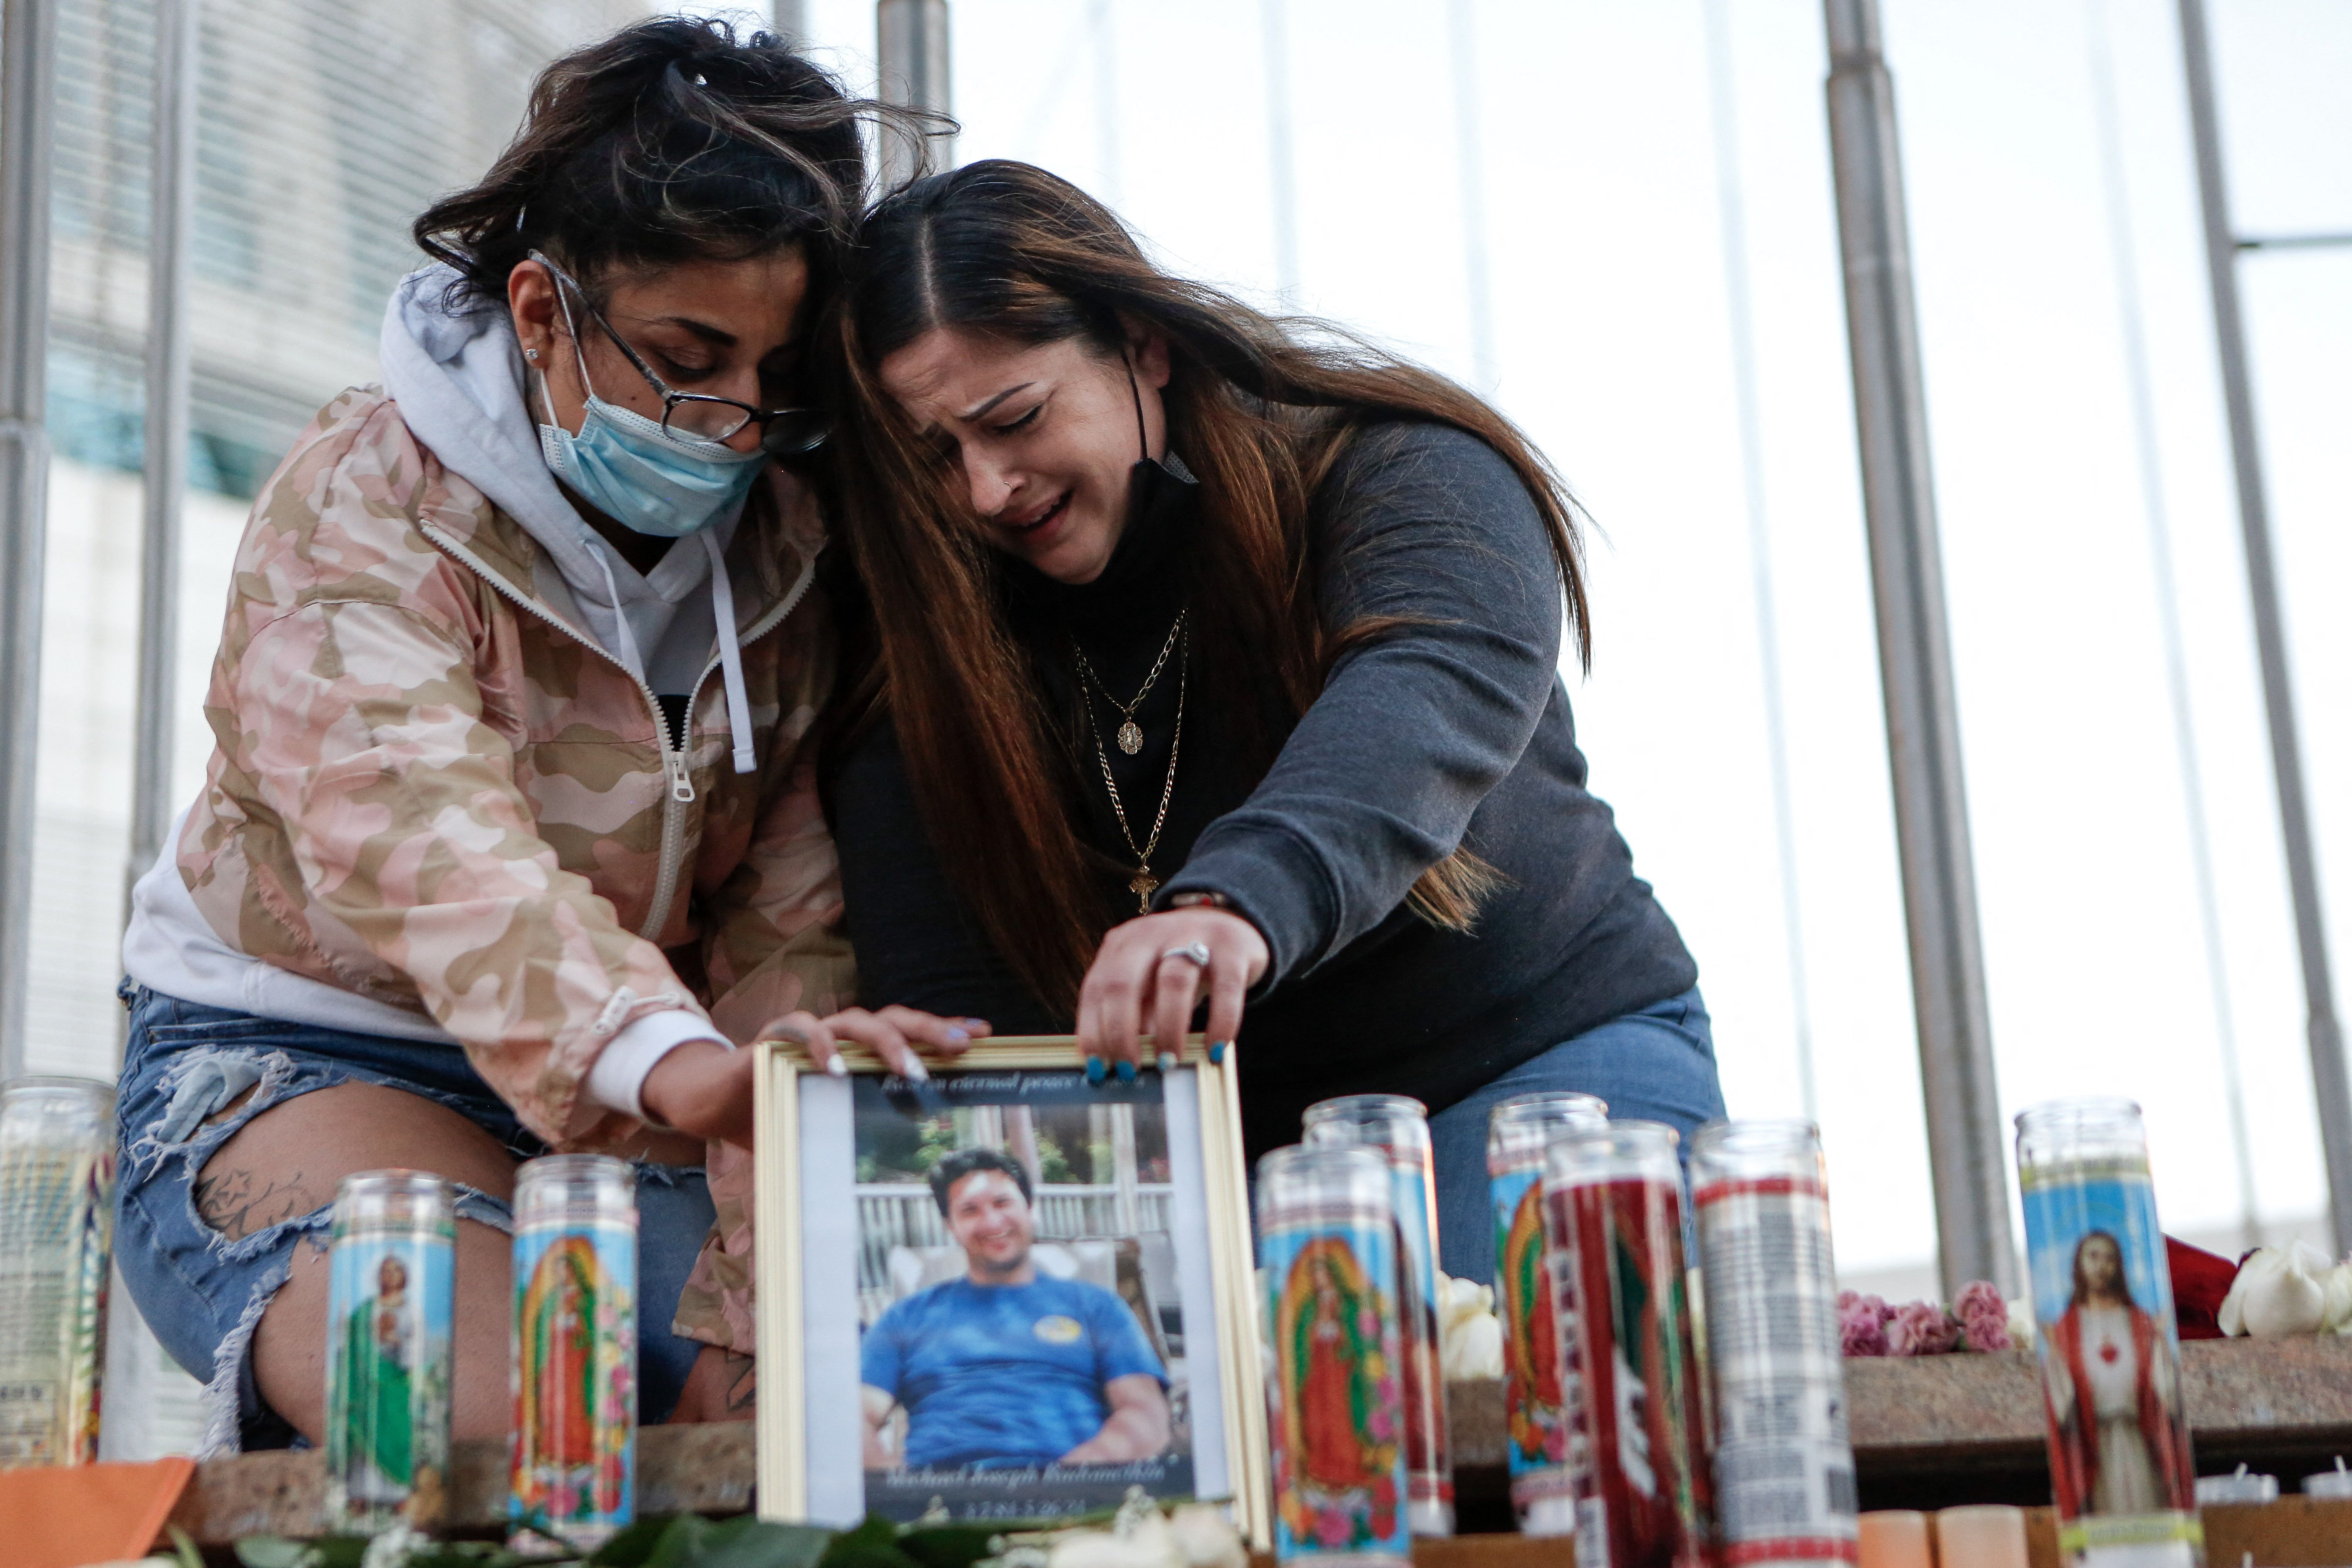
{"points": [[1540, 1376], [391, 1296], [1784, 1478], [57, 1229], [1613, 1218], [575, 1348], [2120, 1471], [1335, 1398], [1398, 1128]]}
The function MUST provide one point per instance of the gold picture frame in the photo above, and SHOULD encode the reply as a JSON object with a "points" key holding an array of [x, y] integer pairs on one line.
{"points": [[804, 1157]]}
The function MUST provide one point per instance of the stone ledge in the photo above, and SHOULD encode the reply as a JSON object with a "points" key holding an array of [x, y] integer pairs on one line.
{"points": [[1929, 1431], [681, 1470], [2245, 1398]]}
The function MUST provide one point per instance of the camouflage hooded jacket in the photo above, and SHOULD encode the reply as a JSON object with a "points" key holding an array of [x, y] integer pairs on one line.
{"points": [[433, 789]]}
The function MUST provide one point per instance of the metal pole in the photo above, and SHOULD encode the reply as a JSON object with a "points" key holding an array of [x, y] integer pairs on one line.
{"points": [[1732, 206], [1103, 23], [911, 47], [2325, 1035], [1281, 168], [1470, 153], [2147, 441], [172, 207], [27, 91], [1931, 821]]}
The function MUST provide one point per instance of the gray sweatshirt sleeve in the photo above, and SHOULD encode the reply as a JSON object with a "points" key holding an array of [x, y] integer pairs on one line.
{"points": [[1428, 525]]}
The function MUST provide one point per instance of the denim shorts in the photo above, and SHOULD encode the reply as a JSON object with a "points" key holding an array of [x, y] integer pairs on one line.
{"points": [[1656, 1065], [203, 1293]]}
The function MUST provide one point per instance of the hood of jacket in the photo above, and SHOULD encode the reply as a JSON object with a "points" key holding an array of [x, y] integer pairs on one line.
{"points": [[457, 374]]}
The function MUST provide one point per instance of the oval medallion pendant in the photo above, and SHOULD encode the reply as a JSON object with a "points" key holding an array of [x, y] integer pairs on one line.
{"points": [[1130, 738]]}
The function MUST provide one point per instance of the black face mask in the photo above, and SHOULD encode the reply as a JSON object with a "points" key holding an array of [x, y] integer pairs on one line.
{"points": [[1155, 487], [1160, 495]]}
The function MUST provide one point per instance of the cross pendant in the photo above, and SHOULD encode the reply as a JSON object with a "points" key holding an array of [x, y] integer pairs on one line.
{"points": [[1143, 884]]}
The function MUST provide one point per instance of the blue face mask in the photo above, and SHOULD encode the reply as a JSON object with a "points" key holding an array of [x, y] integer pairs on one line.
{"points": [[626, 467], [634, 471]]}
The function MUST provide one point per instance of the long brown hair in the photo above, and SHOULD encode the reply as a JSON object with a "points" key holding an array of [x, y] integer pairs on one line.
{"points": [[1259, 409]]}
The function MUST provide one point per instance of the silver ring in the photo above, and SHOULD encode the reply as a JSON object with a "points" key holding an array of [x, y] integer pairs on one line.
{"points": [[1191, 953]]}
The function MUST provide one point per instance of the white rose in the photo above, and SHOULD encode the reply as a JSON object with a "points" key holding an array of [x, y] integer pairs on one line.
{"points": [[1469, 1336], [1148, 1545], [2336, 1317], [2278, 1291], [1206, 1538], [1473, 1349]]}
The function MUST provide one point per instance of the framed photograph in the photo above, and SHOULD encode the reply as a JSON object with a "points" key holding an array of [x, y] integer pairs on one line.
{"points": [[1004, 1293]]}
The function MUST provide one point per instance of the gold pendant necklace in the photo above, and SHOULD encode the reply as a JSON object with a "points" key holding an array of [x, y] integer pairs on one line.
{"points": [[1143, 884], [1131, 733]]}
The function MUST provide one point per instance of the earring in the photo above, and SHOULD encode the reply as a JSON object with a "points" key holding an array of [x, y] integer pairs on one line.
{"points": [[530, 353]]}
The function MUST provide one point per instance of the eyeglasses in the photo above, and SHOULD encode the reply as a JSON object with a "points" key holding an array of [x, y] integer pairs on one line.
{"points": [[785, 433]]}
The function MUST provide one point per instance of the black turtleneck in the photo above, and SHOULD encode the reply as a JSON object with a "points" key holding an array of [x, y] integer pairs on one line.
{"points": [[1455, 729]]}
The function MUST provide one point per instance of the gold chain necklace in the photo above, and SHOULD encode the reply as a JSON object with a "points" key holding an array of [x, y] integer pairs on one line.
{"points": [[1143, 884], [1131, 733]]}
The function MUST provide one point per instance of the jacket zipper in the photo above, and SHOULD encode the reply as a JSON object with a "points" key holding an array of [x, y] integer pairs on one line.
{"points": [[680, 793]]}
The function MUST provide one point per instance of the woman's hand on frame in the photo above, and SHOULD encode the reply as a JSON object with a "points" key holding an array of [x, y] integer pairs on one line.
{"points": [[1148, 975], [894, 1034], [704, 1089]]}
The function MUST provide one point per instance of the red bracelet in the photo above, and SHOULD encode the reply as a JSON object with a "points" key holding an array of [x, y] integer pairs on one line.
{"points": [[1191, 900]]}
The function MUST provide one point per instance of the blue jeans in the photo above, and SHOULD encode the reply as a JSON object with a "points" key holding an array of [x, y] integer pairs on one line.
{"points": [[203, 1292], [1656, 1064]]}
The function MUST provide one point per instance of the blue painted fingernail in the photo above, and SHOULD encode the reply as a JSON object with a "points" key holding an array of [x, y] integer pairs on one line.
{"points": [[1217, 1053], [959, 1035], [1167, 1061], [918, 1073], [1126, 1070], [1094, 1069], [837, 1067]]}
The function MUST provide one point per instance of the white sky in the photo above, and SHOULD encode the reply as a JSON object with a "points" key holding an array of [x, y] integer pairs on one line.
{"points": [[1613, 351]]}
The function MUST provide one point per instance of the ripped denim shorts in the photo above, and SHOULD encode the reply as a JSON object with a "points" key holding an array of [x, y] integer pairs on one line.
{"points": [[203, 1293]]}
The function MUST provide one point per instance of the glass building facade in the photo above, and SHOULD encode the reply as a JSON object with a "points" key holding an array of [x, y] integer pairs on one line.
{"points": [[324, 126]]}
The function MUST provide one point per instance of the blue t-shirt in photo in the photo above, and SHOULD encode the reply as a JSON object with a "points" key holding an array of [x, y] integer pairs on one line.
{"points": [[1004, 1374]]}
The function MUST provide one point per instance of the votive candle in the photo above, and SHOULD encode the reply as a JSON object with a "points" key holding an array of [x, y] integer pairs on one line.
{"points": [[1982, 1535]]}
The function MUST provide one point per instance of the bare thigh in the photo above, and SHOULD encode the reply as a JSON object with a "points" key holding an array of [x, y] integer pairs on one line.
{"points": [[286, 1162]]}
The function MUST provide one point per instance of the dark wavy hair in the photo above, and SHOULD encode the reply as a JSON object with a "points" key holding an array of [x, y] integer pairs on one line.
{"points": [[674, 140], [965, 1161], [1260, 409]]}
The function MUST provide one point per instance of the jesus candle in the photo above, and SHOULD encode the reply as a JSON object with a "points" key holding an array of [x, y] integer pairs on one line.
{"points": [[2120, 1469]]}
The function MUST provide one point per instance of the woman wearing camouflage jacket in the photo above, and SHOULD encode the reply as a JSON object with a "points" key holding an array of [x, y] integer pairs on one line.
{"points": [[510, 831]]}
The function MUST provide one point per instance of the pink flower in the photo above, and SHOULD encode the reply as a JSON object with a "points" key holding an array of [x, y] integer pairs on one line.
{"points": [[1861, 1323], [1333, 1527], [1862, 1333], [1987, 1331], [1854, 1302], [1922, 1328], [1984, 1316], [1980, 1295]]}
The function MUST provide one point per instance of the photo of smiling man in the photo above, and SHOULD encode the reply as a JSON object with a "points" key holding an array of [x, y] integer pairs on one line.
{"points": [[1007, 1368]]}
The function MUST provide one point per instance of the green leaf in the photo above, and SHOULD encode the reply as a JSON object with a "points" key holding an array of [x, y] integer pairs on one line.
{"points": [[873, 1544], [949, 1545], [749, 1543], [633, 1547], [680, 1544]]}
